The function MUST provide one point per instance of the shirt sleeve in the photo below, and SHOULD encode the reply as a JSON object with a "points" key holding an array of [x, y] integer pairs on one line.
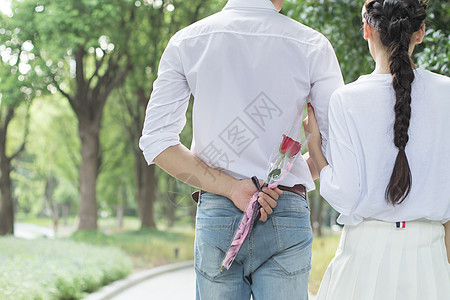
{"points": [[326, 77], [166, 111], [340, 180]]}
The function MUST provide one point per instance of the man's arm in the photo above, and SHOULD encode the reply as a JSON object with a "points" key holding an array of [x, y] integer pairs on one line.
{"points": [[182, 164], [447, 239], [326, 77]]}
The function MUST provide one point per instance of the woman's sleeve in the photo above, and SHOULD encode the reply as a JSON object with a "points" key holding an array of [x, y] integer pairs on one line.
{"points": [[340, 180]]}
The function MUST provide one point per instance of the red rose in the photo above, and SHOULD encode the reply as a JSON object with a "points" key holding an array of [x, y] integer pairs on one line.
{"points": [[295, 148], [284, 147], [289, 145]]}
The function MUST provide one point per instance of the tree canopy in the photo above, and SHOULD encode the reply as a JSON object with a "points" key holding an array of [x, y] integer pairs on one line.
{"points": [[75, 78]]}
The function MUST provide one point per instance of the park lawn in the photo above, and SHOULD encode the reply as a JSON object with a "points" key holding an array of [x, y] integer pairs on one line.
{"points": [[146, 247], [56, 269], [105, 224], [323, 250]]}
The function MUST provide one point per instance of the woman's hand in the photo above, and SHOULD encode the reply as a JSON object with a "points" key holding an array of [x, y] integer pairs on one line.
{"points": [[312, 129], [315, 141]]}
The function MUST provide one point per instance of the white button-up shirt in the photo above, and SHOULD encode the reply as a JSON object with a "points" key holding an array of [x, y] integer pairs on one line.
{"points": [[250, 70]]}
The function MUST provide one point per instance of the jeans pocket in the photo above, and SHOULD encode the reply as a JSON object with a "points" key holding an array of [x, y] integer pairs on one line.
{"points": [[212, 238], [294, 241], [291, 205]]}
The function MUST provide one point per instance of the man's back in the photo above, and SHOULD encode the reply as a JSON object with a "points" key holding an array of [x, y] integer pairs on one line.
{"points": [[251, 71]]}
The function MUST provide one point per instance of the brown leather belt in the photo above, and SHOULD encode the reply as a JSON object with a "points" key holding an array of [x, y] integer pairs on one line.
{"points": [[298, 189]]}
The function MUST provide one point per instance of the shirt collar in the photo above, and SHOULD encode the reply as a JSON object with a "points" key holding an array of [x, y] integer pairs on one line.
{"points": [[250, 4]]}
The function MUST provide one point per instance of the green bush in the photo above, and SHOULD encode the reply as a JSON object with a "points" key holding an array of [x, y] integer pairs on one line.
{"points": [[56, 269]]}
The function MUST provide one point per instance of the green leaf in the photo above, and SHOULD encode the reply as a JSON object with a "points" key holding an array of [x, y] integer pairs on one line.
{"points": [[275, 173]]}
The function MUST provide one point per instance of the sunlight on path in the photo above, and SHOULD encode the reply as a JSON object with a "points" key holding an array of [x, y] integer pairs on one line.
{"points": [[31, 231], [174, 285], [170, 286]]}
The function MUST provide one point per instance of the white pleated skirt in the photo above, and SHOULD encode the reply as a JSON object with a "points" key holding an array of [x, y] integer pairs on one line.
{"points": [[377, 261]]}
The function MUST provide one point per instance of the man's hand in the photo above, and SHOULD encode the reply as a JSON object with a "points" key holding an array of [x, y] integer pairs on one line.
{"points": [[243, 191], [179, 161]]}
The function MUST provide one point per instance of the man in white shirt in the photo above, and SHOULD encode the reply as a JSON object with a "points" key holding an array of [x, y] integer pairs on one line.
{"points": [[250, 70]]}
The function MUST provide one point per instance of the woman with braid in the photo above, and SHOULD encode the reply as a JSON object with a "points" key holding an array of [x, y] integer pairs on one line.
{"points": [[387, 168]]}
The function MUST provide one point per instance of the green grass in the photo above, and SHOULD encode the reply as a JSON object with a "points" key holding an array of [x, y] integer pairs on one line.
{"points": [[323, 250], [106, 224], [45, 222], [147, 247], [56, 269]]}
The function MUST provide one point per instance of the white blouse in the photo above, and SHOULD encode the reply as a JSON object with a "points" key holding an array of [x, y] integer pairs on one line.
{"points": [[361, 151]]}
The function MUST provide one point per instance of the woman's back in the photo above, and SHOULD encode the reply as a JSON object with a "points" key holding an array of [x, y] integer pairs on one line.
{"points": [[386, 169], [365, 109]]}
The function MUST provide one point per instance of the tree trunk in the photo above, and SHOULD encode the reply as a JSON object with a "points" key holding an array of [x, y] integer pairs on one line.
{"points": [[171, 208], [119, 215], [145, 179], [193, 213], [312, 209], [320, 216], [316, 205], [6, 199], [65, 212], [51, 203], [90, 162], [170, 203], [55, 217]]}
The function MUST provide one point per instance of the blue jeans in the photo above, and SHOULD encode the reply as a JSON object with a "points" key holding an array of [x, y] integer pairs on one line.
{"points": [[272, 264]]}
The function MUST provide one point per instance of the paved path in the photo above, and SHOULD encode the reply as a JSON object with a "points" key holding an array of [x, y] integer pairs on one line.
{"points": [[174, 285], [31, 231]]}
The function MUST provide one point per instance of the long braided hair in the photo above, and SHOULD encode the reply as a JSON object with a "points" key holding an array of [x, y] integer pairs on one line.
{"points": [[396, 21]]}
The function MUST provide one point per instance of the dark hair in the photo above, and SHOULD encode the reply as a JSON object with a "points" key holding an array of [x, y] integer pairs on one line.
{"points": [[396, 21]]}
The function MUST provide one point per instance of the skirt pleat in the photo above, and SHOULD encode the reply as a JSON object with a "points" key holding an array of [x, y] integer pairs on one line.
{"points": [[377, 261]]}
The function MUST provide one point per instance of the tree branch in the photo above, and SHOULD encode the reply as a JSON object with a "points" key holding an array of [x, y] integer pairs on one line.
{"points": [[79, 74], [3, 132], [102, 82], [196, 13], [66, 95], [8, 118], [98, 65], [81, 88], [25, 135], [1, 112], [131, 133]]}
